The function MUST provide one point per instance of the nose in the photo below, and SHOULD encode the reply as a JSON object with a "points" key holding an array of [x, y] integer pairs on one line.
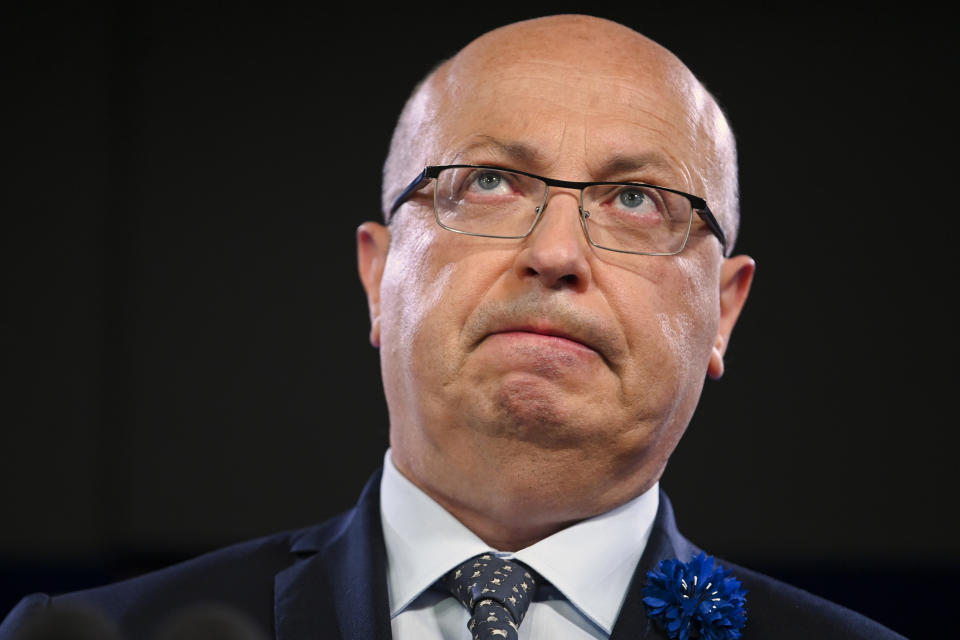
{"points": [[556, 251]]}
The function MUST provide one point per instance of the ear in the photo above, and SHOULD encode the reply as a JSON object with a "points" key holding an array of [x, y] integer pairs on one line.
{"points": [[736, 275], [373, 242]]}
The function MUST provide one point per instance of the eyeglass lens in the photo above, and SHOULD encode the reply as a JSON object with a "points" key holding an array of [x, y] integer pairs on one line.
{"points": [[621, 217]]}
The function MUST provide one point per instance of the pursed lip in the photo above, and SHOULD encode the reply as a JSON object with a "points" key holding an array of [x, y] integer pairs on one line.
{"points": [[546, 330], [548, 316]]}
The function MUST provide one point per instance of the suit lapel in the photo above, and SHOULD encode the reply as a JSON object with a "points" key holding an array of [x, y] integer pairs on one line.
{"points": [[337, 589], [665, 542]]}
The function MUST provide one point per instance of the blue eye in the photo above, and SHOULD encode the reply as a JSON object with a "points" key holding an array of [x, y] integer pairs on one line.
{"points": [[489, 181], [632, 198]]}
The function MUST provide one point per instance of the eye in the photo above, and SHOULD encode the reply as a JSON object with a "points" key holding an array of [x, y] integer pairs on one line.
{"points": [[489, 180], [632, 198], [626, 204], [484, 185], [637, 201]]}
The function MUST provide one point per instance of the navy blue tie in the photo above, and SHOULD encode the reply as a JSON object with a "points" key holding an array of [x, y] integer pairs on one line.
{"points": [[495, 591]]}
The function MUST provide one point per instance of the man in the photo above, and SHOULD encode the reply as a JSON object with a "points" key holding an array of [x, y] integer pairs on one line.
{"points": [[547, 296]]}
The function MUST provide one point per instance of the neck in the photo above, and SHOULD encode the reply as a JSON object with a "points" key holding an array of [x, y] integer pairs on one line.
{"points": [[506, 516], [513, 497], [510, 531]]}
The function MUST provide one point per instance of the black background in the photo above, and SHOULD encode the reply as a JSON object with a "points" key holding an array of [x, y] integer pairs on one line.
{"points": [[184, 337]]}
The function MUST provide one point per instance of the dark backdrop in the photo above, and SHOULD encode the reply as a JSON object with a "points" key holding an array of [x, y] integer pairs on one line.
{"points": [[184, 338]]}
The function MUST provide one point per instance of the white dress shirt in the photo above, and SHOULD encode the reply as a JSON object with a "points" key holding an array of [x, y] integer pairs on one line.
{"points": [[588, 566]]}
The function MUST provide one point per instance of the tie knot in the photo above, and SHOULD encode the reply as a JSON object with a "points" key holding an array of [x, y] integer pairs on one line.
{"points": [[495, 591]]}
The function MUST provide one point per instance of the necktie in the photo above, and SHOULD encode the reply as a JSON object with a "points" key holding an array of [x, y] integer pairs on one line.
{"points": [[495, 591]]}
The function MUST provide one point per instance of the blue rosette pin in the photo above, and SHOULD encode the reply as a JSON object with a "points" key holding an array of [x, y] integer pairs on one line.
{"points": [[696, 599]]}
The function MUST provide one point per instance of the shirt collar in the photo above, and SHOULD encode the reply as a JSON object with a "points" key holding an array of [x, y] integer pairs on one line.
{"points": [[590, 563], [423, 540]]}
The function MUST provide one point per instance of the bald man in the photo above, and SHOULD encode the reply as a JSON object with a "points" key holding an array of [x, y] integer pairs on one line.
{"points": [[552, 286]]}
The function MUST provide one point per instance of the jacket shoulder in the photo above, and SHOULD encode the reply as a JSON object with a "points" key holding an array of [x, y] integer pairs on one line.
{"points": [[240, 576], [776, 609]]}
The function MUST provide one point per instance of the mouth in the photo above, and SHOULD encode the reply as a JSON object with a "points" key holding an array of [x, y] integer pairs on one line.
{"points": [[558, 337], [545, 324]]}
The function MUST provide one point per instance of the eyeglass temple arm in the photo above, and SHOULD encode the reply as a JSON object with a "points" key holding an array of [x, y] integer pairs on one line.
{"points": [[707, 216], [427, 174]]}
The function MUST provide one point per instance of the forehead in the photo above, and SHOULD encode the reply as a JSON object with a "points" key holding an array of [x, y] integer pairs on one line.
{"points": [[586, 111]]}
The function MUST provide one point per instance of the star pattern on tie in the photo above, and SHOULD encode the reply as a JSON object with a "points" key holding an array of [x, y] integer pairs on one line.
{"points": [[495, 591]]}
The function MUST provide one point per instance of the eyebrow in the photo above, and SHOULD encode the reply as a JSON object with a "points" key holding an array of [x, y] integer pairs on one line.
{"points": [[528, 156], [513, 151], [622, 163]]}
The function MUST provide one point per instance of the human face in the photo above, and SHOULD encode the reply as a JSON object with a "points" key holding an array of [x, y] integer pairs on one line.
{"points": [[561, 373]]}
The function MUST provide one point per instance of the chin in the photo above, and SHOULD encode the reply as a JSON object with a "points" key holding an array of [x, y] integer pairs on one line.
{"points": [[533, 411]]}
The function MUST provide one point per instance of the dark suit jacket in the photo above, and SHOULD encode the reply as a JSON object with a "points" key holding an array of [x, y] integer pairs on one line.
{"points": [[329, 581]]}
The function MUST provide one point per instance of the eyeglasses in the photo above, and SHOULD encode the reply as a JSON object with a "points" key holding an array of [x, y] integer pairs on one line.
{"points": [[627, 217]]}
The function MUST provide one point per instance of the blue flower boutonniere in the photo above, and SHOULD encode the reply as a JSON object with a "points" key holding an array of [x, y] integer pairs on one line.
{"points": [[696, 599]]}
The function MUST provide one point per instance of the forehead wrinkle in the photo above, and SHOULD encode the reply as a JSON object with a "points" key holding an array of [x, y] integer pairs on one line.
{"points": [[600, 94], [649, 81], [623, 162], [652, 168], [513, 150], [633, 112], [637, 160]]}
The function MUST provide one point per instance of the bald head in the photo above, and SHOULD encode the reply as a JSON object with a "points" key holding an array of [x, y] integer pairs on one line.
{"points": [[594, 63]]}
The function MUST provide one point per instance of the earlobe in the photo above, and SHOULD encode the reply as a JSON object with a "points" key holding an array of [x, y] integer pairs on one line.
{"points": [[373, 243], [715, 367], [736, 276]]}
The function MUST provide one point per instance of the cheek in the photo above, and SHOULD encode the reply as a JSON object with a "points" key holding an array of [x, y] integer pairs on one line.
{"points": [[691, 324], [678, 331], [432, 281], [411, 291], [670, 318]]}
